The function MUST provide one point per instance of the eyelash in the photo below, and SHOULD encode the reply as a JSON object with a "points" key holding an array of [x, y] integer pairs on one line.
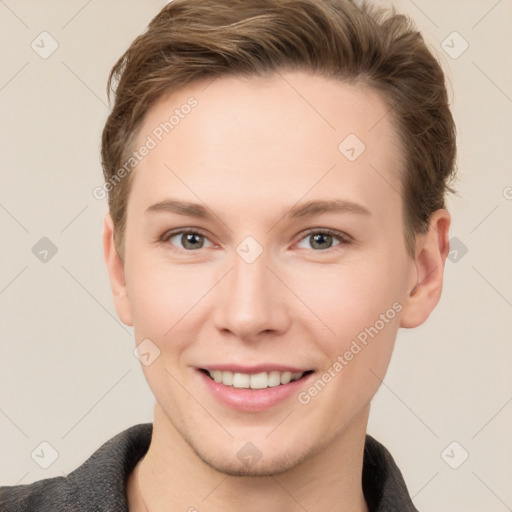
{"points": [[343, 238]]}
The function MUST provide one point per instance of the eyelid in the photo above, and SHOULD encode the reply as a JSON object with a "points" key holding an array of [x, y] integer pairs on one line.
{"points": [[171, 233], [342, 237], [333, 232]]}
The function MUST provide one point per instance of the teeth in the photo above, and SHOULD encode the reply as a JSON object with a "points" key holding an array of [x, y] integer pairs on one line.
{"points": [[274, 379], [259, 381], [255, 381], [241, 380], [286, 377], [227, 378]]}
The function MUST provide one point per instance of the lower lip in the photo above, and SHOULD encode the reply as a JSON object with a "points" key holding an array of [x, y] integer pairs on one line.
{"points": [[252, 400]]}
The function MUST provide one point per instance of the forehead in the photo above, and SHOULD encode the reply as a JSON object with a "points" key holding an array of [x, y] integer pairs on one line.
{"points": [[278, 137]]}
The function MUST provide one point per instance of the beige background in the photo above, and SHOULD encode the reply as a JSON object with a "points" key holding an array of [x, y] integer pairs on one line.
{"points": [[68, 375]]}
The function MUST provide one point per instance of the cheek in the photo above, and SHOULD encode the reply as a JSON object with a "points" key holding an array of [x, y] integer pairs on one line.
{"points": [[361, 305], [164, 298], [363, 310], [348, 298]]}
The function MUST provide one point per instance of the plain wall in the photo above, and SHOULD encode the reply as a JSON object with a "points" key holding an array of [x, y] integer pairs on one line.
{"points": [[68, 374]]}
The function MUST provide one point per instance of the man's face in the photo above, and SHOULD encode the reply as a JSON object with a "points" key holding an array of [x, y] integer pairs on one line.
{"points": [[258, 289]]}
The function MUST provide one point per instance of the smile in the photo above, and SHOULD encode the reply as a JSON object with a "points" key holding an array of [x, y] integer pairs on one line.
{"points": [[253, 388], [260, 380]]}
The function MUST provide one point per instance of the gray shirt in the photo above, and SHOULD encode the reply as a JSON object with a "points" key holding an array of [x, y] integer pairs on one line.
{"points": [[99, 484]]}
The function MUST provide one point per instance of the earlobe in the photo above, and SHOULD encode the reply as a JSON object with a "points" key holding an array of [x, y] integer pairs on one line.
{"points": [[116, 272], [432, 249]]}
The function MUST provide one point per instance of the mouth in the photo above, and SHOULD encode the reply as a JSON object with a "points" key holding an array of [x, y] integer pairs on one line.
{"points": [[259, 380]]}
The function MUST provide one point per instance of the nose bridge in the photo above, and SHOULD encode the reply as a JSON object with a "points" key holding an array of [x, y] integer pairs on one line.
{"points": [[251, 300], [248, 278]]}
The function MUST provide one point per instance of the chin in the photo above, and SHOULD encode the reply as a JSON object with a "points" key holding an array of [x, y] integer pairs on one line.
{"points": [[277, 465]]}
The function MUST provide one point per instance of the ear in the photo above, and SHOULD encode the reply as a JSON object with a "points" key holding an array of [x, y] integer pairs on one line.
{"points": [[115, 268], [432, 249]]}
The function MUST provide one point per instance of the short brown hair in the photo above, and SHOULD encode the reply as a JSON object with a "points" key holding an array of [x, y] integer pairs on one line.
{"points": [[197, 39]]}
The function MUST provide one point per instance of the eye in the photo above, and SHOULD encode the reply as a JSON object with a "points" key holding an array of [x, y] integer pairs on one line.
{"points": [[322, 239], [190, 239], [319, 239]]}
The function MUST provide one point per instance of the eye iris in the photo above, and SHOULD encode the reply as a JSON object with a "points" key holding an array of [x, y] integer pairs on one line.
{"points": [[188, 238], [191, 240], [318, 238]]}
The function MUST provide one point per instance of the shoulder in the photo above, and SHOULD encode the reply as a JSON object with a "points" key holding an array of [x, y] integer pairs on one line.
{"points": [[383, 484], [41, 495], [98, 484]]}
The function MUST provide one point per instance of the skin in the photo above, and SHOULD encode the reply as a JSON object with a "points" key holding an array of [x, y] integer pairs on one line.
{"points": [[249, 151]]}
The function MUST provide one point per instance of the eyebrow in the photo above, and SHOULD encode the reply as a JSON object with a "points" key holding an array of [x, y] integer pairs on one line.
{"points": [[300, 210]]}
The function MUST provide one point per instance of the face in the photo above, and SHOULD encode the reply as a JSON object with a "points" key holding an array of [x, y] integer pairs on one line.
{"points": [[292, 261]]}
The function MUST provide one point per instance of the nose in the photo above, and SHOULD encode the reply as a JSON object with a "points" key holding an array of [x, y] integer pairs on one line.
{"points": [[251, 300]]}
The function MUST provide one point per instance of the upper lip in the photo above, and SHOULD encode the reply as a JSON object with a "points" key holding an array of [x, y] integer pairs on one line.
{"points": [[259, 368]]}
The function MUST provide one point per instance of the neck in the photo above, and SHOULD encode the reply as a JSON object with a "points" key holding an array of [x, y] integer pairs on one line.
{"points": [[172, 477]]}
